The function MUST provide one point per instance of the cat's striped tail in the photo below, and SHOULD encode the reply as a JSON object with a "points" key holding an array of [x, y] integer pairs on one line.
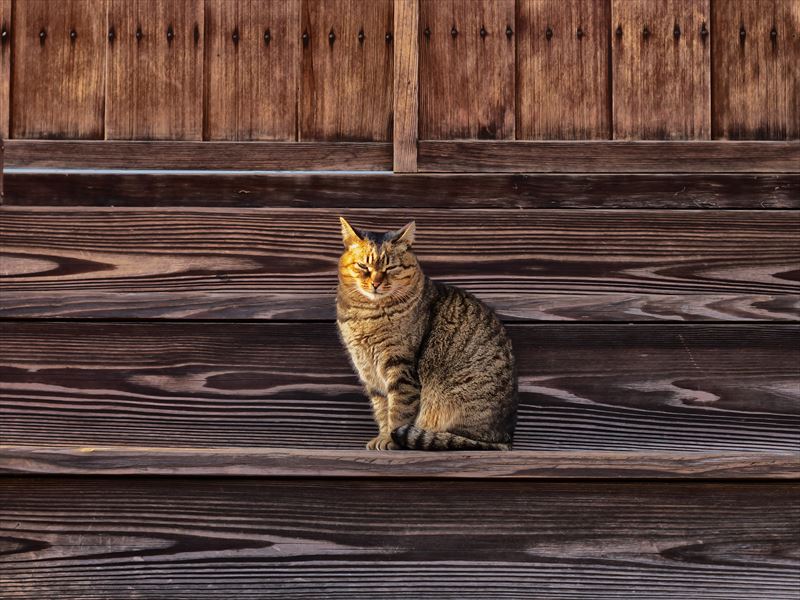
{"points": [[412, 437]]}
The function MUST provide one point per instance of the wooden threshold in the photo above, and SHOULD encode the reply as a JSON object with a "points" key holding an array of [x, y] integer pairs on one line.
{"points": [[264, 156], [42, 187], [286, 462], [712, 156]]}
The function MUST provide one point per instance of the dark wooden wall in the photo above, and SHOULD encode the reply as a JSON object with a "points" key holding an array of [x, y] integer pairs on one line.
{"points": [[620, 179]]}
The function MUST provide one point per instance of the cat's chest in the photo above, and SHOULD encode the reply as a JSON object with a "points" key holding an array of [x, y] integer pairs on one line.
{"points": [[365, 351]]}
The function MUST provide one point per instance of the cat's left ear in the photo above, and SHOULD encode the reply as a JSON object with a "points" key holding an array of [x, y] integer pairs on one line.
{"points": [[405, 235]]}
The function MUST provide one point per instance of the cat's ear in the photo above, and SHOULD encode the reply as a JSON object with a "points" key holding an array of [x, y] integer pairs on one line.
{"points": [[405, 235], [349, 235]]}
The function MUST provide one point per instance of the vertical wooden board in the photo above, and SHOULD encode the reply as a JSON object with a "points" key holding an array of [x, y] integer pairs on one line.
{"points": [[155, 70], [58, 79], [661, 78], [562, 68], [347, 64], [406, 85], [252, 59], [466, 79], [756, 77], [5, 70]]}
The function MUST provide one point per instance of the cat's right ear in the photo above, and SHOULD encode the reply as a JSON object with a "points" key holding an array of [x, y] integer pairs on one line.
{"points": [[349, 235]]}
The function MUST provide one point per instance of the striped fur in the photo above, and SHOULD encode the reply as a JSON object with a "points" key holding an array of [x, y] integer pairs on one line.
{"points": [[435, 361]]}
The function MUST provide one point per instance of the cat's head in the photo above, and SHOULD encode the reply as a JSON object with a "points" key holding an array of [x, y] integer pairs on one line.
{"points": [[379, 266]]}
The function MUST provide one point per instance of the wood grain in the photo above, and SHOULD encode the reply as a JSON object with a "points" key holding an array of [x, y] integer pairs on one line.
{"points": [[385, 190], [346, 91], [289, 462], [466, 80], [155, 82], [251, 69], [661, 83], [608, 157], [58, 77], [665, 388], [406, 85], [755, 77], [285, 156], [281, 263], [255, 538], [5, 68], [562, 70]]}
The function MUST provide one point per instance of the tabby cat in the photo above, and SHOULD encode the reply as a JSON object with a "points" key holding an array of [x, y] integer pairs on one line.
{"points": [[434, 360]]}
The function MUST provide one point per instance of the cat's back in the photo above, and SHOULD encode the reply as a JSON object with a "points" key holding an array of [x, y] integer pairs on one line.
{"points": [[461, 324]]}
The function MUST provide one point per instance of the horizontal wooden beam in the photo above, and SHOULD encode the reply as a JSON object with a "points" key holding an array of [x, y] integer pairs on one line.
{"points": [[288, 462], [237, 537], [609, 156], [281, 263], [263, 156], [652, 387], [386, 190], [433, 156]]}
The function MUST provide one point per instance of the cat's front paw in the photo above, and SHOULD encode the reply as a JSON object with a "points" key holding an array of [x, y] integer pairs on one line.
{"points": [[382, 442]]}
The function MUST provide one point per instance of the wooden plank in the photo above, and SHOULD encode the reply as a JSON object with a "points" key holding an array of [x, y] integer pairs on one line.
{"points": [[346, 91], [696, 265], [466, 79], [661, 70], [5, 68], [58, 78], [406, 85], [386, 190], [155, 70], [609, 157], [286, 462], [613, 388], [281, 263], [562, 70], [251, 70], [254, 538], [284, 156], [755, 76]]}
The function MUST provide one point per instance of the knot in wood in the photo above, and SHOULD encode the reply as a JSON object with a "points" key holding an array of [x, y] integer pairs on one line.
{"points": [[548, 33]]}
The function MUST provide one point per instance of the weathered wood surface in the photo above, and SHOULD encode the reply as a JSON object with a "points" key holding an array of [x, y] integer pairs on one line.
{"points": [[251, 68], [609, 156], [5, 70], [58, 74], [281, 263], [661, 69], [583, 387], [255, 538], [563, 89], [346, 81], [305, 462], [756, 79], [262, 156], [155, 70], [406, 85], [466, 79], [385, 190]]}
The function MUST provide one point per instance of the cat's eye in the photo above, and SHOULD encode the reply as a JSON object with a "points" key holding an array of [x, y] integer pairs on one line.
{"points": [[363, 267], [392, 268]]}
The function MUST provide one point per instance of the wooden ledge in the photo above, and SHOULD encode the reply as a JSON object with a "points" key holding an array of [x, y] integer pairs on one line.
{"points": [[286, 462]]}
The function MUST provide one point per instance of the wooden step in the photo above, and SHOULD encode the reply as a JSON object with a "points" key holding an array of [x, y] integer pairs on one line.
{"points": [[293, 462]]}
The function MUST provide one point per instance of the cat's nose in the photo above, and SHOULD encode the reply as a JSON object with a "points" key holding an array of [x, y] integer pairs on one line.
{"points": [[376, 285]]}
